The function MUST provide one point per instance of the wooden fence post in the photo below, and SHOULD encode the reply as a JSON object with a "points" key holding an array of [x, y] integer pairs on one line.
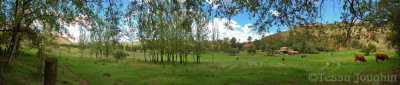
{"points": [[50, 72]]}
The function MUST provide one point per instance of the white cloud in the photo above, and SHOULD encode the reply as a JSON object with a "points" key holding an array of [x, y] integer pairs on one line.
{"points": [[239, 32], [73, 31], [246, 28], [274, 13], [211, 2], [73, 28]]}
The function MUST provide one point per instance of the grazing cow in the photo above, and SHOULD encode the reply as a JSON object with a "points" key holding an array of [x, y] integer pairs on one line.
{"points": [[283, 58], [359, 57], [381, 56], [304, 55]]}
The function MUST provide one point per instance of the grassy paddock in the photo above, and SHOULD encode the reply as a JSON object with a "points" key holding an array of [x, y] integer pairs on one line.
{"points": [[220, 69], [251, 69]]}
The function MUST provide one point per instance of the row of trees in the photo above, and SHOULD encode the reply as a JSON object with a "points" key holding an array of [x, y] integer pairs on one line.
{"points": [[170, 28], [37, 21], [101, 34]]}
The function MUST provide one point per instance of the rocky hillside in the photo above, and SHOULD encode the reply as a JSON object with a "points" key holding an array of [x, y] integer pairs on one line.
{"points": [[333, 34]]}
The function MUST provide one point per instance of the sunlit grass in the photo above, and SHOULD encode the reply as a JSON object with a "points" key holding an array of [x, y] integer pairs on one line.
{"points": [[251, 69]]}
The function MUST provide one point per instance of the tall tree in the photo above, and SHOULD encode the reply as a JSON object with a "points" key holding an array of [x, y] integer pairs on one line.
{"points": [[167, 28], [19, 16], [249, 39], [233, 42]]}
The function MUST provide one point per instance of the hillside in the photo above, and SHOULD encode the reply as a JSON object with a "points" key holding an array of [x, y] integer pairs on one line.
{"points": [[63, 40], [332, 33]]}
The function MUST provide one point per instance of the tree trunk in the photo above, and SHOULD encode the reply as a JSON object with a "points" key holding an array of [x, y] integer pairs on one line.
{"points": [[198, 61], [186, 61], [14, 46], [168, 60], [145, 58], [180, 56], [162, 57], [194, 59], [40, 55], [212, 57], [1, 51]]}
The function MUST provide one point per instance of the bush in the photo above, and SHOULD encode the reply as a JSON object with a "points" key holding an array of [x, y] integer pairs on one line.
{"points": [[313, 51], [323, 48], [233, 51], [356, 44], [120, 54], [252, 50], [368, 49]]}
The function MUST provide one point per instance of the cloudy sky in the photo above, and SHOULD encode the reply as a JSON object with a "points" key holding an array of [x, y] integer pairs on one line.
{"points": [[240, 23]]}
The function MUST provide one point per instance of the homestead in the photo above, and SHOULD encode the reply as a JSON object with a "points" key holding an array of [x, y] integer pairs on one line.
{"points": [[287, 50]]}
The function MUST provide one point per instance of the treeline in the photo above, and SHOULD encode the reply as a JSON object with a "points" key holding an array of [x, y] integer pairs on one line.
{"points": [[174, 27], [168, 31], [302, 40]]}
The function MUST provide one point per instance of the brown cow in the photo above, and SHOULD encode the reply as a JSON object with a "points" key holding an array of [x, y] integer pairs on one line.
{"points": [[304, 55], [359, 57], [381, 56]]}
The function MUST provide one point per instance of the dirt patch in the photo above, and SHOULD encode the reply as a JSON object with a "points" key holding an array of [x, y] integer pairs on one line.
{"points": [[107, 75], [397, 73], [80, 79], [3, 59], [113, 81]]}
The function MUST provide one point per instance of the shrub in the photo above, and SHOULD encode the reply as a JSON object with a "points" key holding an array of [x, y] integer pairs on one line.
{"points": [[233, 51], [120, 54], [323, 48], [368, 49], [313, 51], [252, 50], [356, 44]]}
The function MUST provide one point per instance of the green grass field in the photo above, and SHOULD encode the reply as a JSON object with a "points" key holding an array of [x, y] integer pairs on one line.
{"points": [[250, 69]]}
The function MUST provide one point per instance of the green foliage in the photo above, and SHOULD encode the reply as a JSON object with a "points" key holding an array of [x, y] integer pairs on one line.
{"points": [[251, 50], [169, 30], [270, 13], [120, 54], [232, 51], [372, 47], [356, 44], [368, 49], [322, 47], [382, 14], [233, 42], [249, 39]]}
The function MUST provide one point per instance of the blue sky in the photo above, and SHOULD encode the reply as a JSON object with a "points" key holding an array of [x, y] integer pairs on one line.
{"points": [[330, 13]]}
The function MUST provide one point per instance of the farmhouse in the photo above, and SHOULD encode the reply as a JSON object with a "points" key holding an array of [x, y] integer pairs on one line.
{"points": [[287, 50], [247, 45]]}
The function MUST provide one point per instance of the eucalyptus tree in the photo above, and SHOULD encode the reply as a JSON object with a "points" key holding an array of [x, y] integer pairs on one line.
{"points": [[165, 27], [113, 18], [380, 15], [82, 41], [19, 16], [200, 35], [249, 39], [214, 38], [44, 42]]}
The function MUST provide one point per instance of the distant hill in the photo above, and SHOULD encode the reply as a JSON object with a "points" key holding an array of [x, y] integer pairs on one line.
{"points": [[62, 40], [136, 43], [333, 33], [65, 40]]}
